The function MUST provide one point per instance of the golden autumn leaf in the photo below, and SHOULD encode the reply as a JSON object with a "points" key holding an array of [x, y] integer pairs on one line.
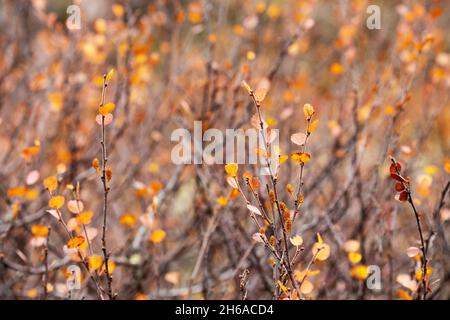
{"points": [[85, 217], [360, 272], [320, 249], [354, 257], [56, 202], [313, 126], [419, 273], [76, 242], [107, 108], [95, 262], [301, 157], [109, 75], [222, 201], [111, 267], [231, 169], [38, 230], [96, 164], [296, 240], [157, 236], [16, 192], [282, 159], [447, 166], [283, 287], [50, 183], [108, 174], [307, 287], [404, 295], [29, 152], [127, 219], [308, 110]]}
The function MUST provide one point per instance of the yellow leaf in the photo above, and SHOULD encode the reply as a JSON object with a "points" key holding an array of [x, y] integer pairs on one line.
{"points": [[447, 166], [319, 238], [153, 167], [85, 217], [108, 174], [320, 249], [16, 192], [296, 240], [337, 68], [308, 110], [300, 157], [51, 183], [222, 201], [283, 287], [96, 164], [107, 108], [157, 236], [127, 219], [56, 100], [56, 202], [402, 294], [231, 169], [76, 242], [141, 296], [273, 11], [313, 126], [29, 152], [38, 230], [251, 55], [431, 169], [95, 262], [360, 272], [290, 188], [261, 152], [32, 194], [307, 287], [419, 273], [354, 257], [32, 293], [109, 75], [282, 159], [118, 10], [111, 267]]}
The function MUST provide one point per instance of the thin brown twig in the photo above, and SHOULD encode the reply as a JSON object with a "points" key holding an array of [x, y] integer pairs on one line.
{"points": [[106, 189]]}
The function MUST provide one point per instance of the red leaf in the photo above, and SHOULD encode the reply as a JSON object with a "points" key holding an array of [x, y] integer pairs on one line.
{"points": [[403, 196], [393, 170], [399, 186], [397, 177]]}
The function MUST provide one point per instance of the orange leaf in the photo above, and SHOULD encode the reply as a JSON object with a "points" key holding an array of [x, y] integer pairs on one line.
{"points": [[51, 183], [56, 202], [76, 242]]}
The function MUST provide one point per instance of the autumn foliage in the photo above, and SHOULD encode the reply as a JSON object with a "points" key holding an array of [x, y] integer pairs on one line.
{"points": [[350, 195]]}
